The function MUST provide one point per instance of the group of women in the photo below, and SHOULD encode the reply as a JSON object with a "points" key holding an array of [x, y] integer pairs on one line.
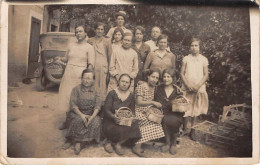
{"points": [[84, 90]]}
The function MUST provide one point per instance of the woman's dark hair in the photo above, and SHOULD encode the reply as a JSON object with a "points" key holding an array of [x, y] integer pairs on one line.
{"points": [[171, 72], [128, 77], [118, 29], [88, 71], [81, 25], [99, 24], [149, 72], [142, 29], [162, 36]]}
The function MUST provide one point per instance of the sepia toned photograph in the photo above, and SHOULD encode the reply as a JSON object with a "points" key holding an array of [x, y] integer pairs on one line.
{"points": [[129, 81]]}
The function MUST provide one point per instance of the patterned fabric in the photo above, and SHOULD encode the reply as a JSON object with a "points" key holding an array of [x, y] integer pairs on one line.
{"points": [[153, 60], [149, 130], [194, 74], [86, 100]]}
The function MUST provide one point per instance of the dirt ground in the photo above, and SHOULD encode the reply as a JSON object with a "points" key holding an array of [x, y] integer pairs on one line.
{"points": [[33, 121]]}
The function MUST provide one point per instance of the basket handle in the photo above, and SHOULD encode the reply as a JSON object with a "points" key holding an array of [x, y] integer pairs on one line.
{"points": [[180, 90], [180, 96], [124, 108], [155, 107]]}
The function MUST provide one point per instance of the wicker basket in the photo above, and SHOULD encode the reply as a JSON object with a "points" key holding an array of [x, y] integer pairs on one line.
{"points": [[180, 104], [154, 114], [126, 121]]}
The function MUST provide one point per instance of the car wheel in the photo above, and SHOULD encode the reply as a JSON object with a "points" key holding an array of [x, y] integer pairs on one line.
{"points": [[41, 82]]}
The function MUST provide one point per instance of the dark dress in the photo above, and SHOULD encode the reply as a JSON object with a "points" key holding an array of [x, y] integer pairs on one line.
{"points": [[113, 131], [87, 100], [172, 120]]}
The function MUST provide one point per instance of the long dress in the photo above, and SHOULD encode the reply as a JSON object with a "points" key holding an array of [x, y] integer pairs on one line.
{"points": [[86, 100], [149, 129], [194, 74], [171, 120], [80, 55], [103, 51], [113, 131]]}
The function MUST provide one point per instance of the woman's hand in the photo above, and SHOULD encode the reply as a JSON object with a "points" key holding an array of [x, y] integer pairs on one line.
{"points": [[157, 104], [89, 121], [116, 119], [85, 119]]}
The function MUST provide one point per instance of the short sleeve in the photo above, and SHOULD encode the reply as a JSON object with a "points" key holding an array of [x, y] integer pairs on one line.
{"points": [[205, 61], [184, 60], [139, 90]]}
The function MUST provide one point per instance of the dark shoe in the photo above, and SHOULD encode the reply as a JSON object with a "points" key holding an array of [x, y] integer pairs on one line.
{"points": [[139, 152], [77, 148], [67, 145], [173, 150], [108, 148], [63, 126], [118, 149], [165, 148]]}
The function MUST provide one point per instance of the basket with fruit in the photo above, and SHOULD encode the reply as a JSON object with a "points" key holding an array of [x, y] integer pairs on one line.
{"points": [[125, 115], [180, 104], [154, 114]]}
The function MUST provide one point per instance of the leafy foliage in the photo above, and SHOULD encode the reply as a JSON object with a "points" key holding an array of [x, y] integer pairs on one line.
{"points": [[224, 32]]}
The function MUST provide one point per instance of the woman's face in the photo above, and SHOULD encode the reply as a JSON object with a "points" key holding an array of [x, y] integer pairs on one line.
{"points": [[138, 35], [153, 79], [124, 83], [120, 21], [87, 79], [127, 42], [80, 33], [118, 37], [100, 31], [162, 44], [167, 79], [195, 47]]}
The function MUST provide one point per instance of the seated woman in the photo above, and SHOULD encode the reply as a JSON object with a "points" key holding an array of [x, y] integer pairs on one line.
{"points": [[117, 134], [84, 124], [172, 121], [144, 98]]}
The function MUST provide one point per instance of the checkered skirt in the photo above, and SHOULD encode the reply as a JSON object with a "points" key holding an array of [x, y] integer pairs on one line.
{"points": [[149, 129]]}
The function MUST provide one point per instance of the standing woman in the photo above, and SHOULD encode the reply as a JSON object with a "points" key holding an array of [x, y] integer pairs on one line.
{"points": [[117, 37], [80, 55], [144, 98], [142, 50], [103, 52], [120, 23], [172, 121], [161, 58]]}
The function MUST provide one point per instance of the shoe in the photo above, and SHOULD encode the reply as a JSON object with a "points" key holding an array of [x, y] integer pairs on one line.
{"points": [[63, 126], [173, 150], [118, 149], [77, 148], [165, 148], [108, 148], [65, 146], [139, 152]]}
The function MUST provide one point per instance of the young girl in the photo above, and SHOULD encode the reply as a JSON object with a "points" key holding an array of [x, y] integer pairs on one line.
{"points": [[194, 73], [117, 38]]}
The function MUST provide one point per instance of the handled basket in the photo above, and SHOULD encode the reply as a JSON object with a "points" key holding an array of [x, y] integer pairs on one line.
{"points": [[125, 119], [180, 104], [154, 114]]}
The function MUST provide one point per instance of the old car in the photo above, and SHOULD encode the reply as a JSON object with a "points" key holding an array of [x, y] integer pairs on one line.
{"points": [[53, 44]]}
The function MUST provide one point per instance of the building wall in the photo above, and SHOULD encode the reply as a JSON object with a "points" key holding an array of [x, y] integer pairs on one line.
{"points": [[19, 27]]}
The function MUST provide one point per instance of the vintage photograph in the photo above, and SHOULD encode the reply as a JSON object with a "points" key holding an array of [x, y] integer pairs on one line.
{"points": [[129, 80]]}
